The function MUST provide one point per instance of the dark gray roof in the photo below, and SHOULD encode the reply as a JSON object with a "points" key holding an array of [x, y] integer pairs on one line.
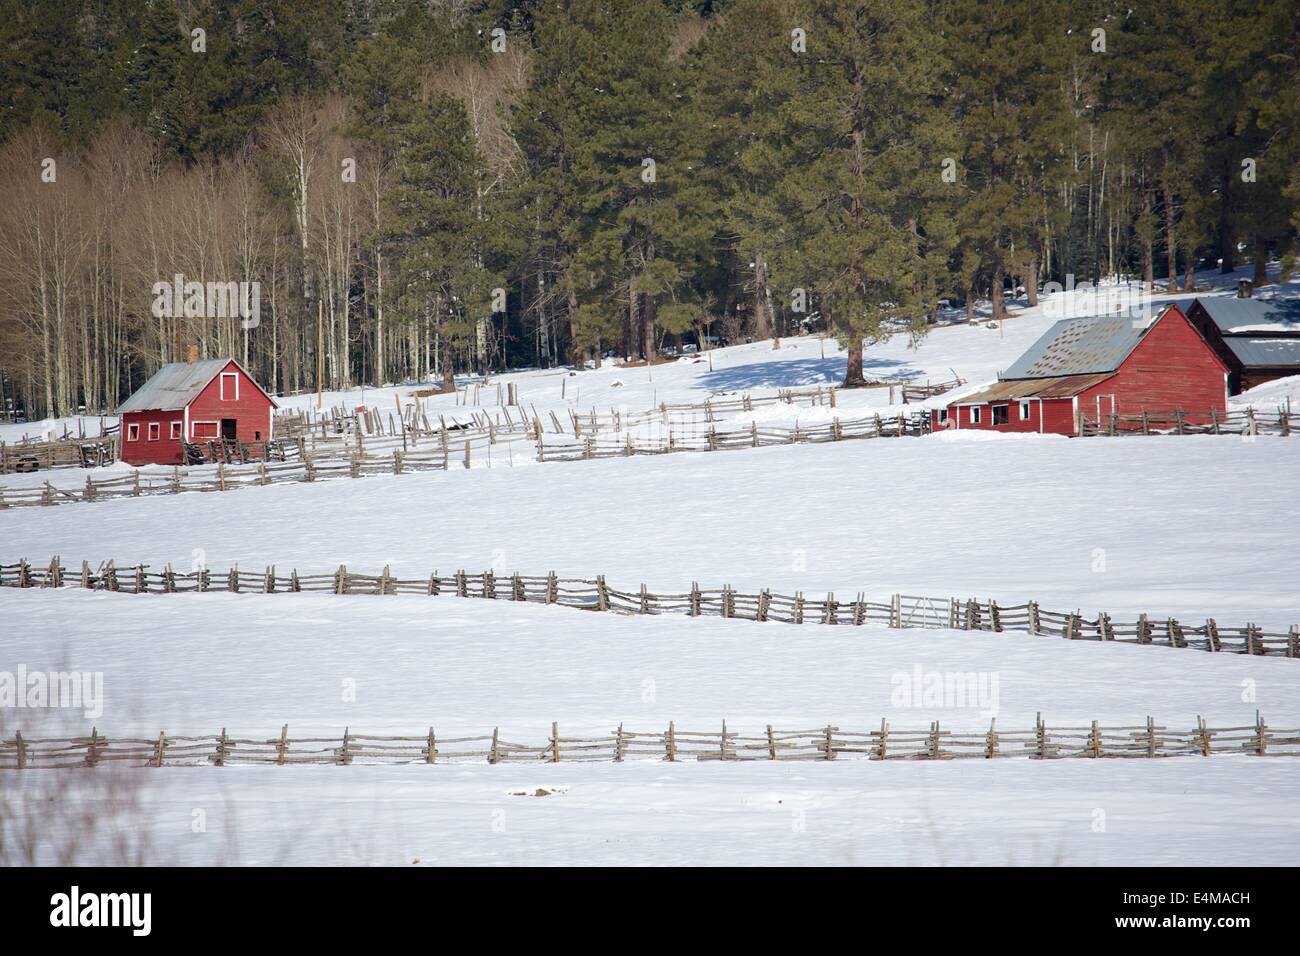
{"points": [[1085, 346], [1229, 313], [1263, 352], [173, 386]]}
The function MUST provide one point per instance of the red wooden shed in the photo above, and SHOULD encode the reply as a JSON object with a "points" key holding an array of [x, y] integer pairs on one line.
{"points": [[212, 400], [1097, 367]]}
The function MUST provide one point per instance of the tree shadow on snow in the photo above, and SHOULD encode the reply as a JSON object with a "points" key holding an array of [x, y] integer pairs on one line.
{"points": [[796, 373]]}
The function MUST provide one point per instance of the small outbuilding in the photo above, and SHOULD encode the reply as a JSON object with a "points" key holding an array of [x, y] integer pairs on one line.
{"points": [[1258, 339], [1094, 368], [193, 402]]}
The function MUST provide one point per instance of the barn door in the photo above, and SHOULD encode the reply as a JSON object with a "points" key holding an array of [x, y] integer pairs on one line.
{"points": [[228, 429], [1105, 408]]}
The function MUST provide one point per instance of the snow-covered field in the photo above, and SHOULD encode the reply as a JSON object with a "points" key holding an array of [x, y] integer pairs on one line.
{"points": [[460, 665], [250, 663], [1193, 527], [1217, 812]]}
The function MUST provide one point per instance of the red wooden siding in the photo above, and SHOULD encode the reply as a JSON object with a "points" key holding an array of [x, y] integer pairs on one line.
{"points": [[251, 410], [1171, 368], [164, 451]]}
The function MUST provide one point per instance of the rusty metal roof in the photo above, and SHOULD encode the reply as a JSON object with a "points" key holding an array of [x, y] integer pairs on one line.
{"points": [[1082, 346], [1056, 386]]}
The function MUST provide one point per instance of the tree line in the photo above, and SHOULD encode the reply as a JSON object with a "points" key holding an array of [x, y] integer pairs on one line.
{"points": [[426, 187]]}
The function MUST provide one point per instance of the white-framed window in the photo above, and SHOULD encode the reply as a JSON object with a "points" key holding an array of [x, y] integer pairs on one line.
{"points": [[943, 415], [974, 414], [1024, 411], [203, 429], [132, 432], [176, 431], [230, 386], [154, 430], [1001, 414]]}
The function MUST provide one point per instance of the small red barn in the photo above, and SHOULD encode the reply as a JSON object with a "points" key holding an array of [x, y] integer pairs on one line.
{"points": [[1097, 367], [212, 400]]}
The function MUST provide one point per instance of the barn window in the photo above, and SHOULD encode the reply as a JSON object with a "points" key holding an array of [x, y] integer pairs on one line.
{"points": [[1024, 411], [205, 429], [154, 429], [176, 430], [229, 386], [132, 432], [1001, 414], [975, 415], [943, 415]]}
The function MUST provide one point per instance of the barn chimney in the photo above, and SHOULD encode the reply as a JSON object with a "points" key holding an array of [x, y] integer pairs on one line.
{"points": [[194, 354], [1244, 288]]}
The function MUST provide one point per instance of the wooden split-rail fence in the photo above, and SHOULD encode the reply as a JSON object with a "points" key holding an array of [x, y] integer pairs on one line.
{"points": [[1146, 740], [454, 447], [1246, 422], [899, 611]]}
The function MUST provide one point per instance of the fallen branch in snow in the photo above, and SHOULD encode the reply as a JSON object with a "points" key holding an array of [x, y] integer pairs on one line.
{"points": [[595, 594], [1146, 740]]}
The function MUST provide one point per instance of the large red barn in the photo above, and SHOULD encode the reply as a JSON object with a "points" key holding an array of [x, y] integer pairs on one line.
{"points": [[1097, 367], [212, 400]]}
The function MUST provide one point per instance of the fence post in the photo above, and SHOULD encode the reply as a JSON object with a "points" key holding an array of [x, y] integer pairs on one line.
{"points": [[1033, 617], [695, 599], [884, 739], [552, 588], [495, 753], [220, 759], [1094, 741], [764, 602], [1204, 734], [995, 616], [896, 611], [1261, 735], [1040, 733], [282, 747], [602, 594], [618, 744], [670, 742], [771, 743], [1293, 641], [22, 749], [829, 742], [1212, 636], [991, 741], [431, 748]]}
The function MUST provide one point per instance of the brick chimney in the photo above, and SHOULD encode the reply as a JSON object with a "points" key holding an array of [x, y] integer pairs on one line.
{"points": [[194, 354]]}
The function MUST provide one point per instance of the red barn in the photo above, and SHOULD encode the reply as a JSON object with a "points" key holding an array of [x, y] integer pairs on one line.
{"points": [[1095, 367], [212, 400]]}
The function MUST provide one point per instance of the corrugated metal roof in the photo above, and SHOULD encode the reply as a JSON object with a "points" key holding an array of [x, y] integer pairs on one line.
{"points": [[173, 386], [1082, 346], [1229, 313], [1057, 386], [1265, 352]]}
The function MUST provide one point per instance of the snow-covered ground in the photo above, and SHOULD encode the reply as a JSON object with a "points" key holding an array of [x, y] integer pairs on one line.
{"points": [[394, 665], [251, 663], [1184, 812], [1192, 526]]}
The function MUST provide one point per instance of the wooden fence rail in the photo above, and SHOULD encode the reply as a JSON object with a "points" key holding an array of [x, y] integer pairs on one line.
{"points": [[899, 611], [1145, 740]]}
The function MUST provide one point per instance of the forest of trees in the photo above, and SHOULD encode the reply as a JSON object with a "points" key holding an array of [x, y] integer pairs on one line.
{"points": [[425, 187]]}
